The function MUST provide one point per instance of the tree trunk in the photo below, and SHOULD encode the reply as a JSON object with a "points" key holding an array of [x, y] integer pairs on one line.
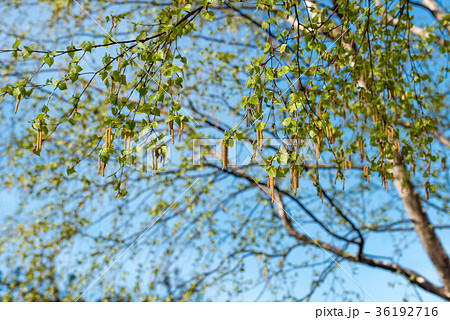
{"points": [[417, 215]]}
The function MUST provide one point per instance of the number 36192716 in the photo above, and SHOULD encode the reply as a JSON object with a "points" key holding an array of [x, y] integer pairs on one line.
{"points": [[407, 311]]}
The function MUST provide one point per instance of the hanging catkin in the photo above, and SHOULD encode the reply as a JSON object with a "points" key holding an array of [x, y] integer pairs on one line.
{"points": [[271, 183], [259, 135], [320, 193], [17, 104], [180, 130], [318, 144], [170, 126], [108, 137], [153, 159], [295, 179], [101, 166], [112, 86], [221, 152], [103, 169], [226, 157], [291, 177], [366, 173], [38, 140], [224, 154], [426, 186], [361, 149], [247, 117]]}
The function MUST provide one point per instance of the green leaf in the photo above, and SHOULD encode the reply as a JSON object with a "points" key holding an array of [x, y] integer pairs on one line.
{"points": [[115, 75], [86, 46], [16, 44], [260, 126], [284, 156], [272, 21], [27, 52], [71, 51], [208, 15], [272, 171], [254, 99], [49, 60], [142, 36], [62, 86], [286, 121], [284, 70], [264, 25], [269, 74], [103, 74]]}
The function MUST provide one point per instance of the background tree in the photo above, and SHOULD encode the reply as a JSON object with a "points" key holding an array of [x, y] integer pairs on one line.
{"points": [[344, 105]]}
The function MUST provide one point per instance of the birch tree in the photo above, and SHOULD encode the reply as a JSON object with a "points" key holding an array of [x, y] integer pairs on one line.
{"points": [[209, 150]]}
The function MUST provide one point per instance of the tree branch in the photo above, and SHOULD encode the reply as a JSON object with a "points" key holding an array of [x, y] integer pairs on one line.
{"points": [[436, 11]]}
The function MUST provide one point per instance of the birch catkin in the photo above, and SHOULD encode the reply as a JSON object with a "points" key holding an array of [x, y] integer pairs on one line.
{"points": [[361, 149], [17, 104], [247, 117], [320, 194], [221, 152], [318, 144], [127, 139], [156, 159], [295, 178], [153, 160], [38, 140], [112, 86], [272, 187], [101, 166], [366, 173], [224, 154], [170, 126], [291, 176], [103, 169], [108, 137], [426, 186], [180, 131], [226, 157], [259, 139]]}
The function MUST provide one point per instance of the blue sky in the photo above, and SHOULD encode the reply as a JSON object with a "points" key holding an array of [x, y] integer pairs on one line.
{"points": [[376, 282]]}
